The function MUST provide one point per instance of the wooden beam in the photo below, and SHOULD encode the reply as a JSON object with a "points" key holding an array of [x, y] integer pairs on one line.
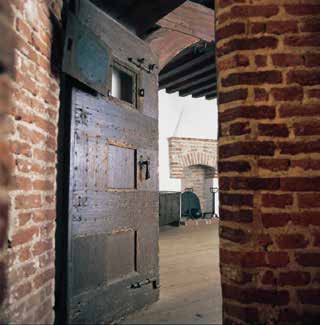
{"points": [[198, 88], [187, 75], [192, 82], [191, 19], [207, 92], [211, 96], [189, 64]]}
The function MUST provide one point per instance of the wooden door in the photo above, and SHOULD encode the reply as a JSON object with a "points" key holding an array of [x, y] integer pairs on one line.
{"points": [[113, 202]]}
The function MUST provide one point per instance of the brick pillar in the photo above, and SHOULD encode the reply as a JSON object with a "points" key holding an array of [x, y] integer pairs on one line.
{"points": [[6, 70], [268, 57]]}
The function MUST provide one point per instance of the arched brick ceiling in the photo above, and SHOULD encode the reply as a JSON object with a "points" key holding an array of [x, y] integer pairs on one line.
{"points": [[185, 46]]}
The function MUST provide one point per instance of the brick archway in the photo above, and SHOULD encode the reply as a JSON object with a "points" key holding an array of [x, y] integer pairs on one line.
{"points": [[197, 158], [183, 27]]}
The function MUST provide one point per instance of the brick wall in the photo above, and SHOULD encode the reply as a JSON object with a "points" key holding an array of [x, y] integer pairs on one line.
{"points": [[6, 72], [194, 161], [185, 152], [200, 179], [33, 131], [268, 58]]}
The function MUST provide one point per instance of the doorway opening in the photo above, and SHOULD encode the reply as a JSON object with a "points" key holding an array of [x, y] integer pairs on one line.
{"points": [[188, 182]]}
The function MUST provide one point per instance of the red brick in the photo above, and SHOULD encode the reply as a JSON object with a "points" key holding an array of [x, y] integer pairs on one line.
{"points": [[309, 200], [273, 130], [304, 77], [253, 259], [236, 199], [299, 184], [29, 135], [232, 96], [246, 44], [24, 236], [312, 59], [43, 185], [311, 26], [269, 278], [261, 60], [278, 259], [21, 183], [20, 148], [239, 128], [254, 295], [27, 201], [257, 28], [314, 93], [308, 259], [294, 278], [292, 241], [235, 166], [249, 112], [255, 183], [241, 215], [306, 164], [276, 200], [302, 9], [307, 128], [299, 147], [21, 291], [226, 3], [265, 11], [271, 220], [44, 155], [233, 62], [230, 257], [255, 78], [41, 246], [287, 93], [282, 27], [309, 296], [235, 235], [260, 94], [43, 278], [274, 165], [263, 148], [302, 41], [248, 314], [230, 30], [290, 110], [23, 218], [306, 218], [287, 59]]}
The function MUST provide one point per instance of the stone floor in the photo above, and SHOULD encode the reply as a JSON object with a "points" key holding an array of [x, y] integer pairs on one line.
{"points": [[189, 275]]}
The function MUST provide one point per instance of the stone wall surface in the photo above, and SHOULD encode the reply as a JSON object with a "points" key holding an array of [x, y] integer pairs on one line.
{"points": [[268, 58], [32, 121]]}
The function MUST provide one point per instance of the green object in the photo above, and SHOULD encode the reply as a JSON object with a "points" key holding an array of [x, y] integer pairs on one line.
{"points": [[190, 205]]}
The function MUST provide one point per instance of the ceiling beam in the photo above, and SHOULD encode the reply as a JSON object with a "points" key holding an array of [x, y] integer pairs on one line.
{"points": [[207, 92], [211, 96], [187, 65], [187, 75], [198, 88], [192, 82]]}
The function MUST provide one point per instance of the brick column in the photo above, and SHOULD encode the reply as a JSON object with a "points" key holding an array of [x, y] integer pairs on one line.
{"points": [[6, 71], [268, 58]]}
